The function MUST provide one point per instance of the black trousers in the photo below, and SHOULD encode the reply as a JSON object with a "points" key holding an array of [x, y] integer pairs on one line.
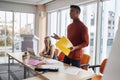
{"points": [[72, 61]]}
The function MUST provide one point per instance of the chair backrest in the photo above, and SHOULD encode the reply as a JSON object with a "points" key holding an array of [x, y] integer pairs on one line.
{"points": [[85, 60], [102, 66], [97, 77], [61, 56]]}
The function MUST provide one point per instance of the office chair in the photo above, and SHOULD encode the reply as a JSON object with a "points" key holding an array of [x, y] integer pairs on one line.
{"points": [[61, 56], [84, 64], [101, 69]]}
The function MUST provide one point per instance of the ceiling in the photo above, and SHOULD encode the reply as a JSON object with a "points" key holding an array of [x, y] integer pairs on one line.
{"points": [[33, 2]]}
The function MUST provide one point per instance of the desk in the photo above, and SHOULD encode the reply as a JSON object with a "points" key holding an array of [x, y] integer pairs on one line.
{"points": [[60, 75]]}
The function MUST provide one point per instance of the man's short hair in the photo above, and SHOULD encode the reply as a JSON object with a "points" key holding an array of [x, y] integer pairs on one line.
{"points": [[76, 7]]}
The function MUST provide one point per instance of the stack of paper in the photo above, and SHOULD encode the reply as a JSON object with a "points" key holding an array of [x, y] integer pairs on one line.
{"points": [[64, 45]]}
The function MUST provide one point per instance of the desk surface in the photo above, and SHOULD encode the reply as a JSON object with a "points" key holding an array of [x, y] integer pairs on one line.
{"points": [[62, 74]]}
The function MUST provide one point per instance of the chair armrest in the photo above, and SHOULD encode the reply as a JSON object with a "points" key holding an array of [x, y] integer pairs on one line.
{"points": [[83, 65], [94, 66]]}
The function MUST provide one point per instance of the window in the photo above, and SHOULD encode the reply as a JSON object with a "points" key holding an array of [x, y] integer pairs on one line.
{"points": [[12, 25], [109, 42], [27, 23], [105, 28], [59, 20], [88, 16], [92, 20], [113, 22], [92, 34], [17, 38], [2, 33], [109, 34], [91, 42], [6, 26], [52, 26], [108, 28], [65, 21], [30, 23], [24, 23], [9, 30], [109, 22]]}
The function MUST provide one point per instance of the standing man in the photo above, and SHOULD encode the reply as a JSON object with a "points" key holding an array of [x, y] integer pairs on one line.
{"points": [[77, 33]]}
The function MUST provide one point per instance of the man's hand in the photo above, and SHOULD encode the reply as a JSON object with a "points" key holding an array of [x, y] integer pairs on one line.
{"points": [[55, 36], [74, 48]]}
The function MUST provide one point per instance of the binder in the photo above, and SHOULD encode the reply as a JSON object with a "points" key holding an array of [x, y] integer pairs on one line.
{"points": [[64, 45]]}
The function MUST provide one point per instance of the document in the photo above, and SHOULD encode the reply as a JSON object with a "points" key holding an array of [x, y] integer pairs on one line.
{"points": [[84, 75], [52, 61], [64, 45], [49, 66], [73, 71]]}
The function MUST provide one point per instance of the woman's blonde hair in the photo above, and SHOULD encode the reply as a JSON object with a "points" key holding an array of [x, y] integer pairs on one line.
{"points": [[49, 43]]}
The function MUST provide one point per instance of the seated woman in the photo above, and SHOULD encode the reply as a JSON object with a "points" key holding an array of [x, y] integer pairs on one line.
{"points": [[49, 50]]}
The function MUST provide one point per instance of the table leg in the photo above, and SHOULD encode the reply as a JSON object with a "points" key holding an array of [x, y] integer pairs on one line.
{"points": [[28, 72], [25, 72], [8, 67]]}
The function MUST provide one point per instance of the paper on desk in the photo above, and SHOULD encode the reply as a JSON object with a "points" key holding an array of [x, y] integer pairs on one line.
{"points": [[84, 75], [49, 66], [73, 71], [64, 45], [35, 62], [51, 61]]}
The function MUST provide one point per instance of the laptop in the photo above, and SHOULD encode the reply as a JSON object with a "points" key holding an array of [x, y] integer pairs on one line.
{"points": [[31, 51]]}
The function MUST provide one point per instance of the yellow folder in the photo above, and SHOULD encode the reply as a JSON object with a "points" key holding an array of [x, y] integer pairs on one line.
{"points": [[64, 45]]}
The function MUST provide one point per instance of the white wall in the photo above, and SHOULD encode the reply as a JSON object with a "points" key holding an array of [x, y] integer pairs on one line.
{"points": [[5, 6], [58, 4], [112, 69]]}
